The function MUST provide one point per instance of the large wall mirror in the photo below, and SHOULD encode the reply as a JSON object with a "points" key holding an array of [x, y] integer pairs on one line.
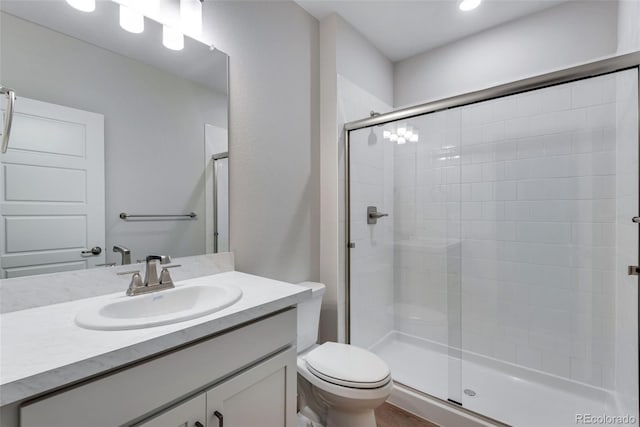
{"points": [[116, 141]]}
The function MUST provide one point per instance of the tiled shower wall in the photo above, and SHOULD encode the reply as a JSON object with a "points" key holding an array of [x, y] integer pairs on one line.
{"points": [[505, 221]]}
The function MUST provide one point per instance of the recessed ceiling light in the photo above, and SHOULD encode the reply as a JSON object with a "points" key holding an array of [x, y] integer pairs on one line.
{"points": [[83, 5], [467, 5]]}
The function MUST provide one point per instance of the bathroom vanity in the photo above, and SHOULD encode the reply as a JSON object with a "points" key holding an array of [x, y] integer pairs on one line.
{"points": [[237, 365]]}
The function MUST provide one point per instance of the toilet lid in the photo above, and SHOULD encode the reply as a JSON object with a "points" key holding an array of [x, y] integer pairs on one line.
{"points": [[348, 366]]}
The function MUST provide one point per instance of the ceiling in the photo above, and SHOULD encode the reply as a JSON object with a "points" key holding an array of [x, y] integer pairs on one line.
{"points": [[401, 28]]}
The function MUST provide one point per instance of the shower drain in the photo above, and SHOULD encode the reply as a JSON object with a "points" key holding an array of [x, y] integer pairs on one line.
{"points": [[469, 392]]}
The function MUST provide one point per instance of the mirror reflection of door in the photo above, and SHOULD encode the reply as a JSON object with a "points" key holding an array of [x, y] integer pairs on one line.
{"points": [[52, 200]]}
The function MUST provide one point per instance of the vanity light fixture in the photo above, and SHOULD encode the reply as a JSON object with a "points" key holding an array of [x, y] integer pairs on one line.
{"points": [[83, 5], [401, 135], [467, 5], [130, 19], [191, 16], [171, 38]]}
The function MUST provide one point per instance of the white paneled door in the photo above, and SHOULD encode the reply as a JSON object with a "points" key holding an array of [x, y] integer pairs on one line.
{"points": [[52, 190]]}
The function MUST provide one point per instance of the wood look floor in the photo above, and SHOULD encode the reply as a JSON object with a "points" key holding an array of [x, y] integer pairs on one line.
{"points": [[391, 416]]}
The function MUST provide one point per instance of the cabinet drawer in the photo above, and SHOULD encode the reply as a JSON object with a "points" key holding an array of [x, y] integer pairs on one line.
{"points": [[126, 395]]}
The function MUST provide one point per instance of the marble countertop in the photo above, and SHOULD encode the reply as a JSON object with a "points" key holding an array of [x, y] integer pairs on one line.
{"points": [[43, 349]]}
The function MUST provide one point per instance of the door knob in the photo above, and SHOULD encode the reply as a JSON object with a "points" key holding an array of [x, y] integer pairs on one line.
{"points": [[96, 250]]}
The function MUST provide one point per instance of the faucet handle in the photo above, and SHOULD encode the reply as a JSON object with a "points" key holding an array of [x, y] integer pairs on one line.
{"points": [[165, 277], [136, 282], [123, 273]]}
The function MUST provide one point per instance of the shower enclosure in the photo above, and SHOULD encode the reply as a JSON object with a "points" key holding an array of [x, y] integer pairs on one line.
{"points": [[499, 280]]}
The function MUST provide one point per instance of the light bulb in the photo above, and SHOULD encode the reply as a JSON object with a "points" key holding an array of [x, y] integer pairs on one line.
{"points": [[83, 5], [131, 20], [393, 137], [386, 134], [414, 138], [402, 131], [401, 140], [191, 16], [467, 5], [172, 38]]}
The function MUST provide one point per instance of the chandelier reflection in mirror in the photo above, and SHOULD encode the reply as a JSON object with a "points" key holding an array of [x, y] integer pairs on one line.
{"points": [[132, 13]]}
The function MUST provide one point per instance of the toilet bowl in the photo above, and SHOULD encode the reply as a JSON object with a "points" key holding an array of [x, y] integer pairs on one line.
{"points": [[340, 384]]}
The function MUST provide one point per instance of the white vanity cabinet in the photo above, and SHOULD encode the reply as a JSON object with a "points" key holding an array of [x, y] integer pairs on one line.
{"points": [[256, 397], [247, 375], [186, 414]]}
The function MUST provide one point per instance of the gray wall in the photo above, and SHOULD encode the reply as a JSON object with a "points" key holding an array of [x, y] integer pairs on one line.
{"points": [[362, 63], [273, 145], [555, 38], [628, 26], [154, 130]]}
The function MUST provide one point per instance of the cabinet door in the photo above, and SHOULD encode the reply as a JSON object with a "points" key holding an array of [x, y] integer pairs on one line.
{"points": [[191, 413], [263, 396]]}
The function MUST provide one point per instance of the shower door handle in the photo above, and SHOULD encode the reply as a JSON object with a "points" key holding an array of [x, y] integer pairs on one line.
{"points": [[373, 215]]}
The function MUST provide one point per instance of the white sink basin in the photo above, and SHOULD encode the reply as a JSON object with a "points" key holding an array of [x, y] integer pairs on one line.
{"points": [[159, 308]]}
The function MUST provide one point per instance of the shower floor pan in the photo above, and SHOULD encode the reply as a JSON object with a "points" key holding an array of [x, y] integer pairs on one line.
{"points": [[505, 392]]}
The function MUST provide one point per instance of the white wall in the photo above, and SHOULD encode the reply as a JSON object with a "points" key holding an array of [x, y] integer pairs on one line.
{"points": [[273, 146], [347, 53], [362, 63], [154, 132], [628, 26], [555, 38]]}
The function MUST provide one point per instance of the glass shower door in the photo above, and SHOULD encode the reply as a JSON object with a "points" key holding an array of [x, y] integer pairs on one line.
{"points": [[404, 267], [551, 181]]}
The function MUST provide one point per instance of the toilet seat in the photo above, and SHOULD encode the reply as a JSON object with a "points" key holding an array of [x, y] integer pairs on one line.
{"points": [[347, 366]]}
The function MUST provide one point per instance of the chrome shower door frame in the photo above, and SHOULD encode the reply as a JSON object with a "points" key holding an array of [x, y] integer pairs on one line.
{"points": [[584, 71]]}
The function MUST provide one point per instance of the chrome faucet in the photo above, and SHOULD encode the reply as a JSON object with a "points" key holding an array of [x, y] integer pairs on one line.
{"points": [[125, 252], [151, 281]]}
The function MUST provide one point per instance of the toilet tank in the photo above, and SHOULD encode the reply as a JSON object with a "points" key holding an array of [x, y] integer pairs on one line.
{"points": [[309, 316]]}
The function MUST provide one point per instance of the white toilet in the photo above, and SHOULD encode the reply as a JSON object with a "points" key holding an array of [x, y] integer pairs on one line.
{"points": [[339, 385]]}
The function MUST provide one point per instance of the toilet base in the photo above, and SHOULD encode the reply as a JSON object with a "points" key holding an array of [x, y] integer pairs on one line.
{"points": [[338, 418], [338, 411]]}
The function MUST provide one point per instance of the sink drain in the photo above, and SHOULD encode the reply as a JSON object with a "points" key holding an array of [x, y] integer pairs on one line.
{"points": [[469, 392]]}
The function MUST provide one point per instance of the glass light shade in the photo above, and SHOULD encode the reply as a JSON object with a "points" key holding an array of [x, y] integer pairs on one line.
{"points": [[402, 131], [414, 138], [386, 134], [172, 38], [83, 5], [401, 140], [131, 20], [191, 16], [467, 5]]}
